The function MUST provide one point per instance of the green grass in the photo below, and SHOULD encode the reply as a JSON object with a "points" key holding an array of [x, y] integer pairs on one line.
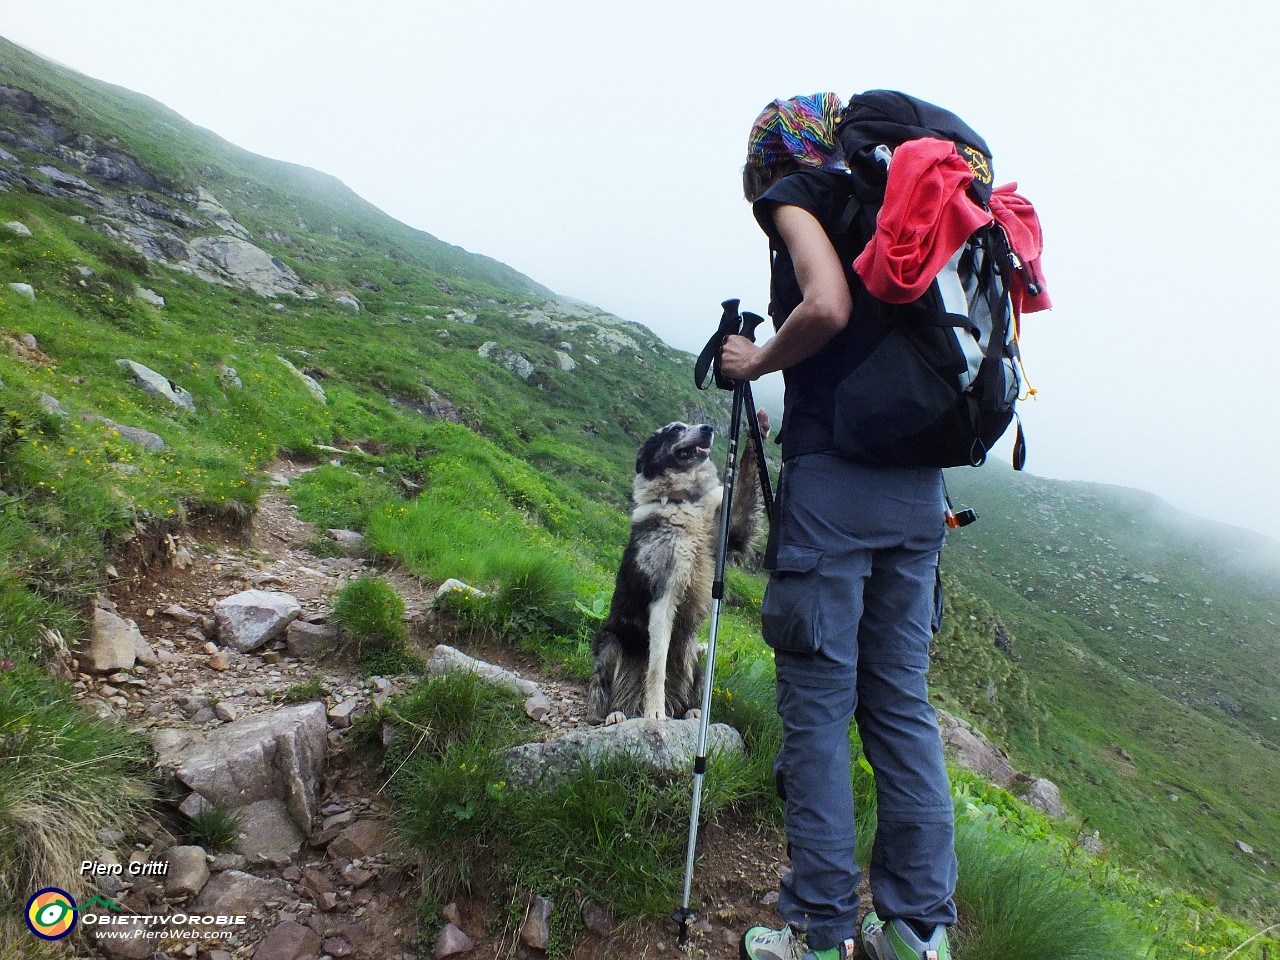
{"points": [[63, 777], [215, 828]]}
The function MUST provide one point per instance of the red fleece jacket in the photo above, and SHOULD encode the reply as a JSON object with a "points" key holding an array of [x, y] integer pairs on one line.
{"points": [[927, 216]]}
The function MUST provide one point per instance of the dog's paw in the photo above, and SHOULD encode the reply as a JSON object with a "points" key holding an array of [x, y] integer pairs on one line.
{"points": [[616, 717], [693, 713]]}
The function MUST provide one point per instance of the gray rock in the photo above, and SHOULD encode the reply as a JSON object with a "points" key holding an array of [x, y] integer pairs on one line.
{"points": [[188, 871], [24, 289], [446, 659], [21, 229], [250, 619], [310, 640], [535, 931], [453, 942], [271, 756], [537, 708], [194, 805], [664, 746], [135, 435], [317, 391], [232, 892], [227, 712], [349, 542], [268, 830], [228, 377], [51, 406], [208, 206], [158, 385], [288, 941], [68, 181], [112, 644], [597, 919], [1091, 844], [973, 751], [133, 948], [516, 363], [227, 861], [148, 296], [343, 712], [240, 262], [181, 613], [566, 362], [363, 839], [142, 651], [1045, 797], [1243, 847]]}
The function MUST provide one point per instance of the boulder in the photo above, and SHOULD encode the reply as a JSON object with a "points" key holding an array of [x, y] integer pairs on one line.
{"points": [[365, 838], [113, 643], [516, 363], [135, 435], [21, 229], [1045, 797], [664, 746], [310, 640], [289, 940], [50, 405], [234, 893], [188, 871], [971, 749], [535, 931], [158, 385], [317, 391], [250, 619], [267, 830], [271, 756], [452, 942], [24, 290], [349, 542], [148, 296], [239, 261], [445, 659]]}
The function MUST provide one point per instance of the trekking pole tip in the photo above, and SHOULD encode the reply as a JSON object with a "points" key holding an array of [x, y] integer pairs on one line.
{"points": [[683, 918]]}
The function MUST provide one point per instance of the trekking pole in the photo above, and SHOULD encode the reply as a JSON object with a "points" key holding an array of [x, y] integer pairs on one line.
{"points": [[749, 323], [730, 322]]}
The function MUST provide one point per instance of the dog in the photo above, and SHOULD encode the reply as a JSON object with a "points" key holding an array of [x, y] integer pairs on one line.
{"points": [[646, 653]]}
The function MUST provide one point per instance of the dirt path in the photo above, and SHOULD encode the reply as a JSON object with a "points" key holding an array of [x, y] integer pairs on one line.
{"points": [[195, 685]]}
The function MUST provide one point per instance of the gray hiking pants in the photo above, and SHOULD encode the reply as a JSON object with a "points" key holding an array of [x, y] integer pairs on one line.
{"points": [[850, 610]]}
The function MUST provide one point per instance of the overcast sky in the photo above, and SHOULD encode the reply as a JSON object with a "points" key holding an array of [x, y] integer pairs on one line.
{"points": [[596, 146]]}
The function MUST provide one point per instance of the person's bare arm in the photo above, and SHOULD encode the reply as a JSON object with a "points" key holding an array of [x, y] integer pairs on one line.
{"points": [[823, 310]]}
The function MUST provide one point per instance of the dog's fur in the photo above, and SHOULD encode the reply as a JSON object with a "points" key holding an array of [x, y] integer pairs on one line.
{"points": [[646, 653]]}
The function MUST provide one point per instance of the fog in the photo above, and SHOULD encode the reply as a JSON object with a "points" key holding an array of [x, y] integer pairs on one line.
{"points": [[596, 147]]}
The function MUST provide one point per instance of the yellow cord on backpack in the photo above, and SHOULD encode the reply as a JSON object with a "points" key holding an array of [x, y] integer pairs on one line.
{"points": [[1030, 391]]}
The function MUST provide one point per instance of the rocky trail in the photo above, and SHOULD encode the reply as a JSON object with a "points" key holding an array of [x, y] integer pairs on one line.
{"points": [[262, 727]]}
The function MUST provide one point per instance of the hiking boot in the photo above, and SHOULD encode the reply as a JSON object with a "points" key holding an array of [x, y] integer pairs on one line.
{"points": [[895, 940], [763, 943]]}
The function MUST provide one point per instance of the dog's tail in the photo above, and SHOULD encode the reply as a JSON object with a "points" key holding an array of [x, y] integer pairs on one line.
{"points": [[748, 498]]}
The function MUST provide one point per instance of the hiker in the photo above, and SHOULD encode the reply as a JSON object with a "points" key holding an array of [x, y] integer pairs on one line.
{"points": [[854, 594]]}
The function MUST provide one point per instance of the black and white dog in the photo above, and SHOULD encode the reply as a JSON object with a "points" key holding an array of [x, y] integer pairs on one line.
{"points": [[646, 653]]}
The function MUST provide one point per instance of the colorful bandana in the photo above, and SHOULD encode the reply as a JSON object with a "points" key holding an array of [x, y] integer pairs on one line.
{"points": [[801, 129]]}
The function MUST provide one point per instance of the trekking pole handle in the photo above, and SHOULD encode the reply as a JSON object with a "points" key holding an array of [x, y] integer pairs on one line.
{"points": [[749, 323]]}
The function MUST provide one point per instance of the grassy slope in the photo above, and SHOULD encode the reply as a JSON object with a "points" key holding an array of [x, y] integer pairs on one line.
{"points": [[1128, 676]]}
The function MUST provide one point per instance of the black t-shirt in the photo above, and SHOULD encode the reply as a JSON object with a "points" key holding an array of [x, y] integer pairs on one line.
{"points": [[810, 385]]}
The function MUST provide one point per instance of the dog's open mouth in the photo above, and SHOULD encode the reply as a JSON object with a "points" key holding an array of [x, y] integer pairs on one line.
{"points": [[693, 451]]}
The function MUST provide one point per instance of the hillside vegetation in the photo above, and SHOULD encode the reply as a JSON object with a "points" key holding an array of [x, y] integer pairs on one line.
{"points": [[489, 430]]}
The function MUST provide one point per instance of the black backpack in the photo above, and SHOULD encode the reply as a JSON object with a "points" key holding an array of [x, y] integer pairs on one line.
{"points": [[939, 388]]}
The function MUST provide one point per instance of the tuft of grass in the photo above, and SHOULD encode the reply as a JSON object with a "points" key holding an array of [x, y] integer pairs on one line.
{"points": [[371, 613], [1017, 904], [305, 692], [63, 776], [215, 827]]}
